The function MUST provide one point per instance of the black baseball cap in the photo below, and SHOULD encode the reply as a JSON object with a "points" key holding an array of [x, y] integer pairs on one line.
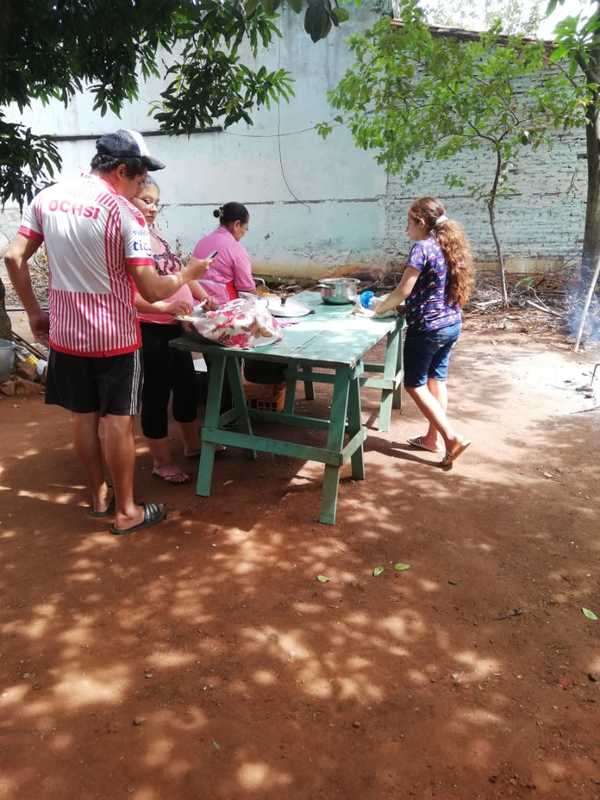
{"points": [[125, 143]]}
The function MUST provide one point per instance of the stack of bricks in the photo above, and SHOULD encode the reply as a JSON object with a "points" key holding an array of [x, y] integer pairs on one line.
{"points": [[265, 396]]}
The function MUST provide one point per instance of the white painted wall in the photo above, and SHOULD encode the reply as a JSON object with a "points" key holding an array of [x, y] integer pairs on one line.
{"points": [[340, 217], [347, 211]]}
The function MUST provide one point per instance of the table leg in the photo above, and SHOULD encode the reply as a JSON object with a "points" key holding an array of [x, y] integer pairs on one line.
{"points": [[390, 368], [335, 442], [290, 390], [397, 402], [239, 398], [309, 392], [354, 426], [211, 421]]}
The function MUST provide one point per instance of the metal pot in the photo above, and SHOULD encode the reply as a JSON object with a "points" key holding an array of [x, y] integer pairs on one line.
{"points": [[338, 291]]}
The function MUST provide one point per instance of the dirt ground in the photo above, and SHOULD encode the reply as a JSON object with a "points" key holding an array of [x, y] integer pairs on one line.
{"points": [[202, 659]]}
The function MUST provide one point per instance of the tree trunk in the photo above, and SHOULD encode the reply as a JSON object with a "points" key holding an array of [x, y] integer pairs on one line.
{"points": [[591, 239], [501, 271], [5, 326], [491, 204]]}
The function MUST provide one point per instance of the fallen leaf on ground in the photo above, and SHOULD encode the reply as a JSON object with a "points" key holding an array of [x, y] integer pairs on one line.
{"points": [[566, 682], [378, 570], [588, 614], [400, 567], [323, 579], [514, 612]]}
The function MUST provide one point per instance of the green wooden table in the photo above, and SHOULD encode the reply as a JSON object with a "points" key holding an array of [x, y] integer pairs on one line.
{"points": [[327, 346]]}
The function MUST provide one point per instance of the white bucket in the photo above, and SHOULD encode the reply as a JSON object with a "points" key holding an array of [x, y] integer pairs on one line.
{"points": [[7, 358]]}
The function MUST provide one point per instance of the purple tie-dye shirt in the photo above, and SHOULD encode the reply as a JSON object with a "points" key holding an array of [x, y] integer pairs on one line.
{"points": [[427, 308]]}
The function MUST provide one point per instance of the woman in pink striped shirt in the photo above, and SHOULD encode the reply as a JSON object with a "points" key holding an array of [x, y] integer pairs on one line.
{"points": [[230, 271]]}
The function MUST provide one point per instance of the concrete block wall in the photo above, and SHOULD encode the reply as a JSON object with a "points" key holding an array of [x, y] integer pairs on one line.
{"points": [[539, 225]]}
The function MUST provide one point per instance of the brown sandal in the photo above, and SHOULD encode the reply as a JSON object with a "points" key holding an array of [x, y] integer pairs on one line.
{"points": [[452, 455]]}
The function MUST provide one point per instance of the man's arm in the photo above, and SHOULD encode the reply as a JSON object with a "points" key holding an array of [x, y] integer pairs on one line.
{"points": [[153, 287], [16, 257], [174, 307]]}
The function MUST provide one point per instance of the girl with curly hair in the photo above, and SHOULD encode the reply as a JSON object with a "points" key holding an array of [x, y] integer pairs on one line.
{"points": [[436, 283]]}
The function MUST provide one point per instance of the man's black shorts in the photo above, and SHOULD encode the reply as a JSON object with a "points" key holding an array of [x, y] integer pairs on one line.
{"points": [[110, 385]]}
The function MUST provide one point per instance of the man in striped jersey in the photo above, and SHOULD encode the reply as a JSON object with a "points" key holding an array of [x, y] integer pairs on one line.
{"points": [[99, 253]]}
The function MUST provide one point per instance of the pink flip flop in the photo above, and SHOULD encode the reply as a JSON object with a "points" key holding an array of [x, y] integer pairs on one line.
{"points": [[176, 478]]}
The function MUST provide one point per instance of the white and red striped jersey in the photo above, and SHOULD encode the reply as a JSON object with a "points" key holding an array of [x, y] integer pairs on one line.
{"points": [[91, 234]]}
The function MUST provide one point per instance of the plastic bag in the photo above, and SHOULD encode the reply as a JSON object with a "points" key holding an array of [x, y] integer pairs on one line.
{"points": [[242, 323], [369, 311]]}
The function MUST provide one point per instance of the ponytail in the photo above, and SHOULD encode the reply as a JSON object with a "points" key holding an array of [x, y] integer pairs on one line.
{"points": [[230, 213]]}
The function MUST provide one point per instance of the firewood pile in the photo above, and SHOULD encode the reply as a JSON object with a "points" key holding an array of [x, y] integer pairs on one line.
{"points": [[38, 269], [552, 301], [28, 373]]}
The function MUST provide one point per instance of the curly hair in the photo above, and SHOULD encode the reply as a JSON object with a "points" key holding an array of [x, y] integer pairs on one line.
{"points": [[428, 211]]}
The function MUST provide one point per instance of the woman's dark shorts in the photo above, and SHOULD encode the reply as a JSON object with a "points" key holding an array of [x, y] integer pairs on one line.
{"points": [[427, 355]]}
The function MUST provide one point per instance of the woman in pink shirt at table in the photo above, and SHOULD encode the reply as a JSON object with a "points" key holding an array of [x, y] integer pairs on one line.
{"points": [[230, 271], [166, 370]]}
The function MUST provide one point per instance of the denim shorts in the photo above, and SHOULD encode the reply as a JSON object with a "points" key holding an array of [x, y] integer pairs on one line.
{"points": [[427, 355]]}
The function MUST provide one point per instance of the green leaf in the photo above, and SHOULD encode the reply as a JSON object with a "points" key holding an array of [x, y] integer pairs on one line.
{"points": [[323, 129], [400, 567], [559, 52], [215, 744], [296, 5], [323, 578], [316, 22], [270, 6], [589, 614], [378, 571], [340, 15]]}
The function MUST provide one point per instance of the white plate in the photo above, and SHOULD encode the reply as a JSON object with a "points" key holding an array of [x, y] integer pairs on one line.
{"points": [[291, 308]]}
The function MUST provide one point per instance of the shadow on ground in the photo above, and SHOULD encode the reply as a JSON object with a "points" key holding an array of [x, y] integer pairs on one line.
{"points": [[204, 660]]}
